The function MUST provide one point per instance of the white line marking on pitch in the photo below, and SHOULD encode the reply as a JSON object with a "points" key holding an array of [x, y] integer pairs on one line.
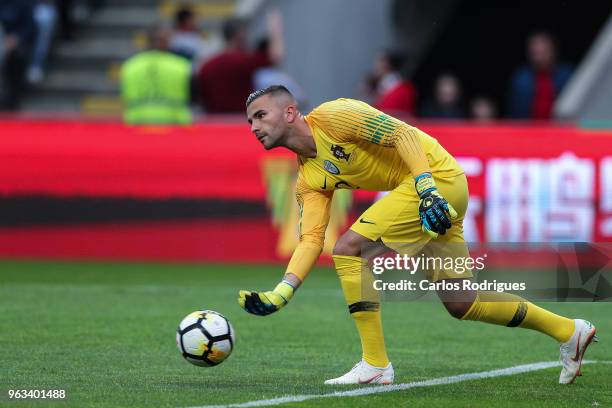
{"points": [[525, 368]]}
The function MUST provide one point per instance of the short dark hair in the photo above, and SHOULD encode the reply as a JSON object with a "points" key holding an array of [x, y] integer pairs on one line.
{"points": [[272, 90], [183, 14], [395, 59], [157, 36], [231, 27], [263, 45]]}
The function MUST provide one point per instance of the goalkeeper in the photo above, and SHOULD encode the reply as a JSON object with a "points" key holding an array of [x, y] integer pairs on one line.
{"points": [[348, 144]]}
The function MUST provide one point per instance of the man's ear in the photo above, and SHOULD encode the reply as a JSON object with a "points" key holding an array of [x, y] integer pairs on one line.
{"points": [[291, 113]]}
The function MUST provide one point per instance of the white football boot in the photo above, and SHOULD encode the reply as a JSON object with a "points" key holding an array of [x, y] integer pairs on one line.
{"points": [[364, 373], [573, 350]]}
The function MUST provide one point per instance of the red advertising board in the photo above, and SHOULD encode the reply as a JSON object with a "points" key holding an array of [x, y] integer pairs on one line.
{"points": [[527, 183]]}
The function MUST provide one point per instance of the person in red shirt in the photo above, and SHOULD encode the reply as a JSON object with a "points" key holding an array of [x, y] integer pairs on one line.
{"points": [[394, 93], [226, 78]]}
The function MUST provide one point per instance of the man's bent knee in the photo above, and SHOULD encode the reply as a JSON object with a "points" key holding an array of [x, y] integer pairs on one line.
{"points": [[457, 302], [457, 309], [346, 247], [350, 244]]}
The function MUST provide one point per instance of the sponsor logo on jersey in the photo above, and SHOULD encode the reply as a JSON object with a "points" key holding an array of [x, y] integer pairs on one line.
{"points": [[331, 167]]}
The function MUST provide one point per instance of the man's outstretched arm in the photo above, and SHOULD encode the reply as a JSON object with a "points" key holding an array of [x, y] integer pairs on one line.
{"points": [[314, 217]]}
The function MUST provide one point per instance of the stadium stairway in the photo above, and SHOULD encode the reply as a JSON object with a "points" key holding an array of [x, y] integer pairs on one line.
{"points": [[83, 73]]}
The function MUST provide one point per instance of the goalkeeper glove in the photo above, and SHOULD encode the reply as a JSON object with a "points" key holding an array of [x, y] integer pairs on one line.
{"points": [[264, 303], [435, 212]]}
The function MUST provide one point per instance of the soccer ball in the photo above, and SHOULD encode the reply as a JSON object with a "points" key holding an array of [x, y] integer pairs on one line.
{"points": [[205, 338]]}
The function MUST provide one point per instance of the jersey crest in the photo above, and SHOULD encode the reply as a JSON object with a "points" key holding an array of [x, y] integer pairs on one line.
{"points": [[339, 153]]}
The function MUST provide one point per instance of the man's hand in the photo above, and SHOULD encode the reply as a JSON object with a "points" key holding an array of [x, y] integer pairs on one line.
{"points": [[435, 212], [264, 303]]}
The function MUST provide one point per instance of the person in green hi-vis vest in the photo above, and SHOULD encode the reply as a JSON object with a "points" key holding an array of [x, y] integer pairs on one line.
{"points": [[155, 84]]}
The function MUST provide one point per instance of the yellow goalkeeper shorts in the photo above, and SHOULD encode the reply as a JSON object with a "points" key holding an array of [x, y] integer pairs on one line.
{"points": [[394, 220]]}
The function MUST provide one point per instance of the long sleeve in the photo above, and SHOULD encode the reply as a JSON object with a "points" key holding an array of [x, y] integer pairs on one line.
{"points": [[314, 217], [406, 141]]}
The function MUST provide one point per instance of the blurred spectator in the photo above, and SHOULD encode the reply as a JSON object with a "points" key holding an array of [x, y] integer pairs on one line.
{"points": [[393, 93], [273, 75], [45, 16], [66, 18], [1, 47], [73, 12], [16, 18], [482, 109], [187, 40], [155, 84], [1, 62], [534, 87], [446, 101], [227, 78]]}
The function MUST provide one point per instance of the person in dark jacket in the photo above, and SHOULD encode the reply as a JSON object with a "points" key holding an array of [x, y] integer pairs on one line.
{"points": [[17, 21], [534, 87]]}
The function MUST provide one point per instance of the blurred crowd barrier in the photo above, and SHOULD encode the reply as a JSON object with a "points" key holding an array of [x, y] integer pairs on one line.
{"points": [[209, 192]]}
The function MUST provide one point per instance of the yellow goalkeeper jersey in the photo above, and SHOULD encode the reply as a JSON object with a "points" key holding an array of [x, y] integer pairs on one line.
{"points": [[358, 147]]}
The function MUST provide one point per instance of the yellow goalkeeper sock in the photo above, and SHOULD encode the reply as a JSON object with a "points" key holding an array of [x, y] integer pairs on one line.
{"points": [[513, 311], [364, 308]]}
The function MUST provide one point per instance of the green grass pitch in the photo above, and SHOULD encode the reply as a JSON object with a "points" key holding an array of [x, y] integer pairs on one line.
{"points": [[105, 333]]}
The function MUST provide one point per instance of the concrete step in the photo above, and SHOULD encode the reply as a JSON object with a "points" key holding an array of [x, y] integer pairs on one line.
{"points": [[73, 82], [110, 49], [210, 16], [132, 3], [52, 103], [108, 70], [125, 16], [128, 32], [208, 10], [88, 105], [76, 63], [102, 105], [108, 31]]}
